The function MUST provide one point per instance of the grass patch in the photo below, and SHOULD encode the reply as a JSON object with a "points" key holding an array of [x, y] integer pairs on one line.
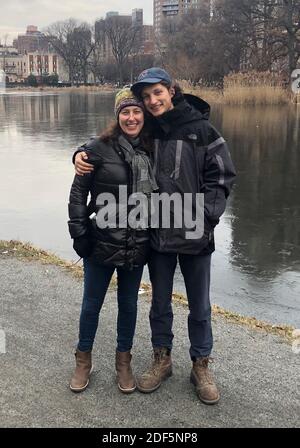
{"points": [[256, 96], [285, 331], [255, 88], [27, 252], [246, 89], [209, 94]]}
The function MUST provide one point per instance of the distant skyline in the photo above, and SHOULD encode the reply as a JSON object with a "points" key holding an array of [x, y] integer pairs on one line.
{"points": [[17, 14]]}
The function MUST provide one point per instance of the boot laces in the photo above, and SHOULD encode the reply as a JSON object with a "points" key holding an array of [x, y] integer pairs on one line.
{"points": [[156, 364], [201, 368]]}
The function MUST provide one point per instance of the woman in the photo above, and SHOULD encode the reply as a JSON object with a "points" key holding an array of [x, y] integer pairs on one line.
{"points": [[120, 159]]}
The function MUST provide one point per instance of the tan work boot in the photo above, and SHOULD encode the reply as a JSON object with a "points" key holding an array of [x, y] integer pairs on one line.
{"points": [[125, 378], [83, 370], [160, 370], [202, 379]]}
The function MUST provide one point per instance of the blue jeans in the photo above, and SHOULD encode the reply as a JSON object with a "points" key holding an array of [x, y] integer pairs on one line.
{"points": [[196, 274], [96, 281]]}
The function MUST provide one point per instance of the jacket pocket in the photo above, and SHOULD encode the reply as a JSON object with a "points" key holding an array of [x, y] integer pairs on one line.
{"points": [[215, 208]]}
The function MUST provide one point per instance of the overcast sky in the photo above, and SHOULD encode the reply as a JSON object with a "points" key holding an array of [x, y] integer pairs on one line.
{"points": [[15, 15]]}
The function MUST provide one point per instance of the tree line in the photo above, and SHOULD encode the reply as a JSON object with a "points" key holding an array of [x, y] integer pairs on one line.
{"points": [[237, 35], [202, 45], [83, 48]]}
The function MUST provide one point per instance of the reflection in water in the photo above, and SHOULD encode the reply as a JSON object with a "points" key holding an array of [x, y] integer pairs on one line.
{"points": [[256, 267], [265, 146], [76, 116]]}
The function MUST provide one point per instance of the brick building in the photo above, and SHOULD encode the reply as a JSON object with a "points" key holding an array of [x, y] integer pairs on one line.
{"points": [[33, 40]]}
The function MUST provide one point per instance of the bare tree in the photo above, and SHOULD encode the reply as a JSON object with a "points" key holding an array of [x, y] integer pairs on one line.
{"points": [[96, 60], [60, 36], [191, 47], [95, 64], [241, 35], [288, 22], [83, 43], [121, 35], [269, 31], [275, 36]]}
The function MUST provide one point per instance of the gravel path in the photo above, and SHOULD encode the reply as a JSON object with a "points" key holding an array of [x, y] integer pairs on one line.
{"points": [[258, 373]]}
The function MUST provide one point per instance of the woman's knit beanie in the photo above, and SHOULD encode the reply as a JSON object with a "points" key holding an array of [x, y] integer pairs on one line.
{"points": [[125, 98]]}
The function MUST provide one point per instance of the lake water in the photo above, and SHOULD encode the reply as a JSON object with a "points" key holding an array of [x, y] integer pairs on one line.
{"points": [[256, 267]]}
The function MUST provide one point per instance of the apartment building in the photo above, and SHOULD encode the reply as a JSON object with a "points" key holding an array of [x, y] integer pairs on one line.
{"points": [[14, 66], [168, 9], [144, 38], [147, 46], [33, 40], [18, 67]]}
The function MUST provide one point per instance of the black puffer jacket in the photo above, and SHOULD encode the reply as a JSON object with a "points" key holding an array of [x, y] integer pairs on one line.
{"points": [[191, 156], [126, 247]]}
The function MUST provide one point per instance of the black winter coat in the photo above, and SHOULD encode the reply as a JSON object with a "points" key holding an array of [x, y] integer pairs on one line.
{"points": [[125, 247], [191, 156]]}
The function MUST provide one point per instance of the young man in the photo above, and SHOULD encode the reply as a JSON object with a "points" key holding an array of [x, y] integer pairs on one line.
{"points": [[190, 157]]}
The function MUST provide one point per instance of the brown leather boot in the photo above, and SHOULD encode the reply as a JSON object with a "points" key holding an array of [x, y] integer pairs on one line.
{"points": [[125, 378], [83, 370], [202, 379], [160, 370]]}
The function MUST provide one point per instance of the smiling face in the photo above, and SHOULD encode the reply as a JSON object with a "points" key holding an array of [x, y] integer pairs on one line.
{"points": [[131, 120], [157, 98]]}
